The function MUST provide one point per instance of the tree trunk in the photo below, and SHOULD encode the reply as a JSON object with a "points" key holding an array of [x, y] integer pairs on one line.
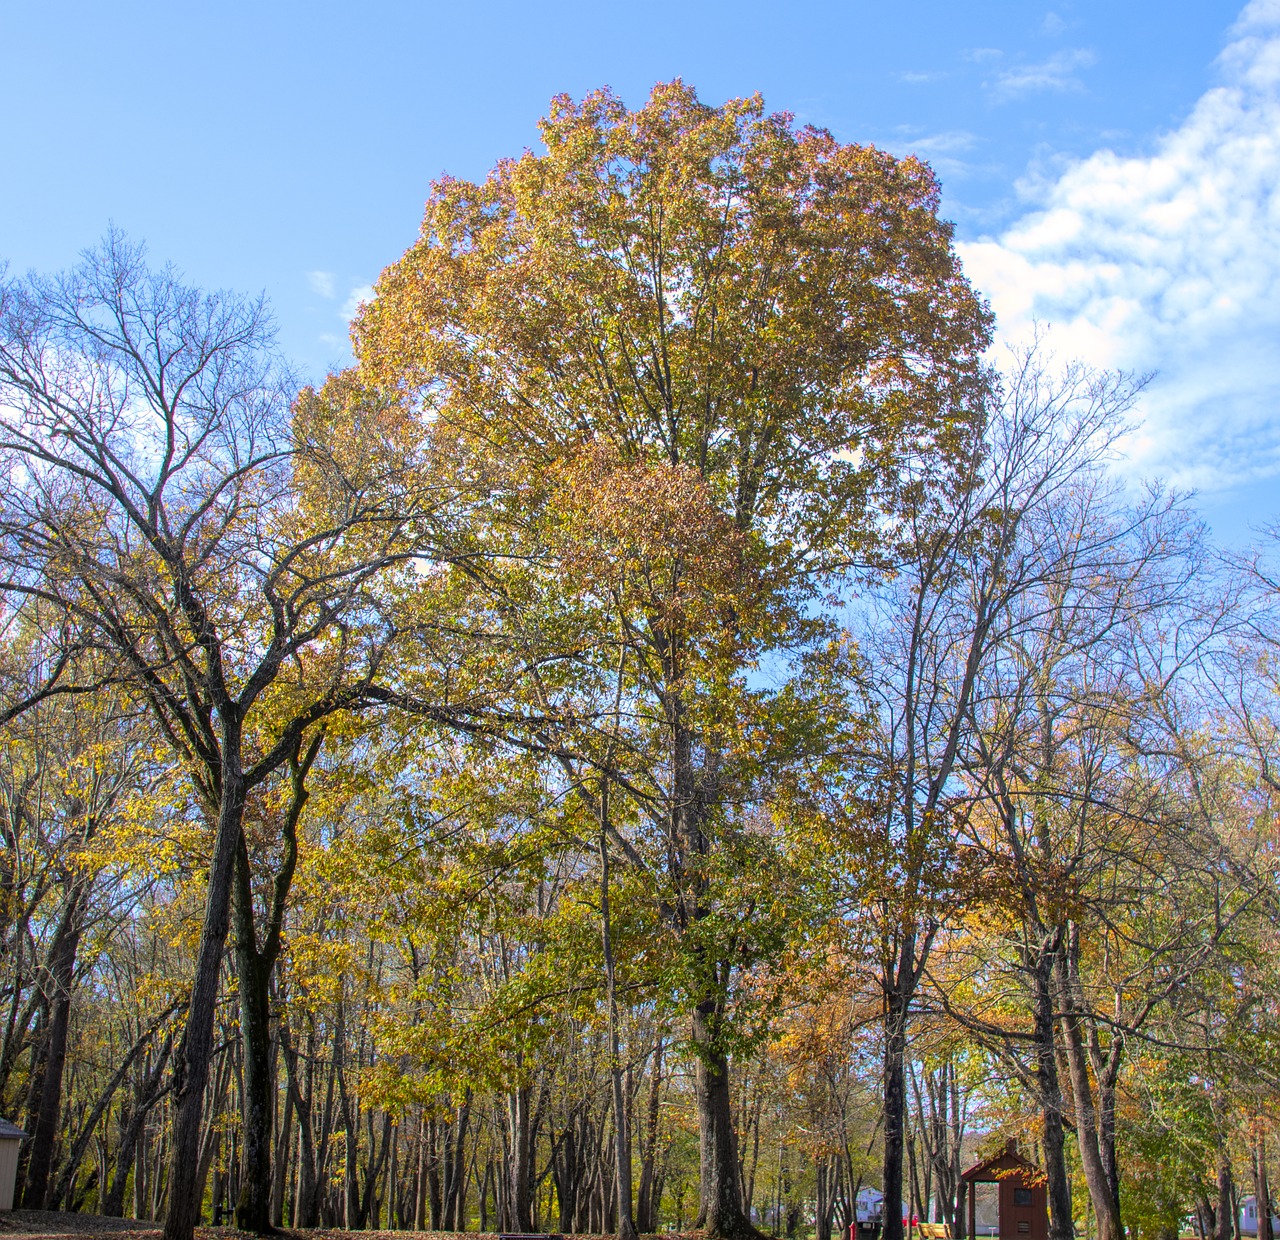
{"points": [[211, 1141], [368, 1198], [519, 1179], [455, 1189], [720, 1209], [59, 1195], [1095, 1120], [822, 1203], [350, 1133], [945, 1126], [1262, 1188], [255, 964], [1095, 1174], [895, 1107], [145, 1097], [646, 1205], [484, 1194], [435, 1194], [1226, 1214], [257, 1097], [1049, 1087], [191, 1067], [280, 1164], [61, 976], [305, 1205]]}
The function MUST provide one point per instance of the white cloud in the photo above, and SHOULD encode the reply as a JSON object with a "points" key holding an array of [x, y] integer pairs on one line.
{"points": [[1053, 25], [1058, 73], [947, 142], [943, 150], [1170, 262], [358, 295], [321, 282]]}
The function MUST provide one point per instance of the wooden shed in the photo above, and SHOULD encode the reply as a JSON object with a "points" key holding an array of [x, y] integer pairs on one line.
{"points": [[11, 1139], [1023, 1202]]}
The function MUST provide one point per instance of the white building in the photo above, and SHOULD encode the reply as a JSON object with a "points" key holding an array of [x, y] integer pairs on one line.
{"points": [[869, 1205], [1249, 1217]]}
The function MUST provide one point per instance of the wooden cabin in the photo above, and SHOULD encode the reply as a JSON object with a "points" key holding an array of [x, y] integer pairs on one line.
{"points": [[1023, 1211], [11, 1139]]}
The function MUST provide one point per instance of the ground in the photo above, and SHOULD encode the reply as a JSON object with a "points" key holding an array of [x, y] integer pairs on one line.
{"points": [[54, 1225]]}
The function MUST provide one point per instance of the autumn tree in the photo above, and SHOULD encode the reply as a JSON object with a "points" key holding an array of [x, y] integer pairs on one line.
{"points": [[759, 321], [71, 769], [974, 558], [157, 484]]}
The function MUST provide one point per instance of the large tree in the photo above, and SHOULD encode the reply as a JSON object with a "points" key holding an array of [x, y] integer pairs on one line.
{"points": [[723, 336], [222, 558]]}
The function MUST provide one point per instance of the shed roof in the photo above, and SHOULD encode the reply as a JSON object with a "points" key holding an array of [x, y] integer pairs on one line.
{"points": [[1006, 1165], [10, 1131]]}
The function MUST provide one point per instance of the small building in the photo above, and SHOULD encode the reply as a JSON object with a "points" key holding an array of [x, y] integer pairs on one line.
{"points": [[868, 1210], [1249, 1217], [1024, 1204], [11, 1139]]}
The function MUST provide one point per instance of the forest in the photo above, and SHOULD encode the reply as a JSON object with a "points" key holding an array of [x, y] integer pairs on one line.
{"points": [[682, 731]]}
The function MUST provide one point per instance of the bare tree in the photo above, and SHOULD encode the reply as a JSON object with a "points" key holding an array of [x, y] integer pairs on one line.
{"points": [[166, 502], [971, 555]]}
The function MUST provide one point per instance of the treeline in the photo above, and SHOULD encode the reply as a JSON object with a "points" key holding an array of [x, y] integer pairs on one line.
{"points": [[671, 738]]}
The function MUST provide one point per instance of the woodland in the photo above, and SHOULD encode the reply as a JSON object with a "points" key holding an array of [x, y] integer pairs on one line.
{"points": [[681, 731]]}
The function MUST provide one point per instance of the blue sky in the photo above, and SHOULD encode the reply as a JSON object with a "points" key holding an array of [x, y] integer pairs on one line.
{"points": [[1113, 169]]}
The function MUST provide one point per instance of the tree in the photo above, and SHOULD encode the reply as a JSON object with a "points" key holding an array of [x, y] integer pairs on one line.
{"points": [[157, 498], [71, 769], [706, 309], [974, 563]]}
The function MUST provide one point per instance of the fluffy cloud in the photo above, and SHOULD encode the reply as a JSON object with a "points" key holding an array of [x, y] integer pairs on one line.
{"points": [[1170, 262]]}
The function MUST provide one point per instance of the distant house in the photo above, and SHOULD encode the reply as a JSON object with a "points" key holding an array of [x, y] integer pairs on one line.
{"points": [[869, 1206], [1249, 1217]]}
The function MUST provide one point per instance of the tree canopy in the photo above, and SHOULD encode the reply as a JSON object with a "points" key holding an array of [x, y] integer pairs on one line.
{"points": [[677, 736]]}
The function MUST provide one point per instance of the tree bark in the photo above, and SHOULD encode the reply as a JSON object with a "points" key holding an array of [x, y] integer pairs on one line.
{"points": [[895, 1102], [1101, 1191], [257, 1097], [60, 978], [191, 1068], [721, 1212], [1262, 1188], [1061, 1226], [1225, 1229]]}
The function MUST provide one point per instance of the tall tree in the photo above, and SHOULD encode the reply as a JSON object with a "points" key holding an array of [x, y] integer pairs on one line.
{"points": [[739, 318], [157, 497], [974, 560]]}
